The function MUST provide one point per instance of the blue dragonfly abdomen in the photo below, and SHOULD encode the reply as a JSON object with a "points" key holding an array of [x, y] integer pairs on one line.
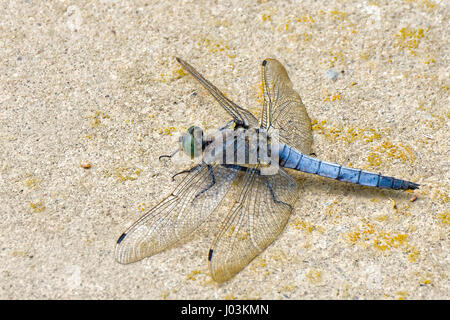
{"points": [[291, 158]]}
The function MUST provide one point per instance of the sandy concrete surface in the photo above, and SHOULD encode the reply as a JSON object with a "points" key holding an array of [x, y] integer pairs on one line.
{"points": [[96, 83]]}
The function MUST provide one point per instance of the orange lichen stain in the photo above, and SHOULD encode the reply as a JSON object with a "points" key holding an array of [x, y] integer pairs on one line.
{"points": [[37, 206], [444, 218], [408, 38], [314, 276]]}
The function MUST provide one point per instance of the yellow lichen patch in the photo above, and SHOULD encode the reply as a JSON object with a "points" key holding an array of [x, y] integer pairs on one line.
{"points": [[383, 241], [142, 207], [307, 20], [167, 131], [285, 27], [335, 58], [193, 275], [303, 225], [353, 237], [165, 295], [172, 75], [427, 4], [348, 135], [408, 38], [334, 97], [37, 206], [386, 241], [401, 295], [259, 93], [213, 45], [332, 211], [266, 17], [33, 182], [287, 288], [96, 119], [413, 254], [387, 150], [444, 218], [21, 254], [124, 173], [441, 195], [314, 276], [338, 15]]}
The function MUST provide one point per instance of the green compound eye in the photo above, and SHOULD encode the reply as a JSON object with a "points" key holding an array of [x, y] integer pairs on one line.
{"points": [[192, 142]]}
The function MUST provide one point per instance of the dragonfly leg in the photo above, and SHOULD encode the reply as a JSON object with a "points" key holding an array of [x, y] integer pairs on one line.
{"points": [[186, 171], [168, 155], [213, 181], [269, 186]]}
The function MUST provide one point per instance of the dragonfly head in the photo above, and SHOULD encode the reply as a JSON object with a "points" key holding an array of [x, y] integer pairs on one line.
{"points": [[192, 142]]}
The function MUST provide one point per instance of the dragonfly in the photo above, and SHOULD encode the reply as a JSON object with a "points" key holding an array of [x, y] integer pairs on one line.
{"points": [[264, 203]]}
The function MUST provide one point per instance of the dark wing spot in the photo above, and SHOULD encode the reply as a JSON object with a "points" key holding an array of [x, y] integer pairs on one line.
{"points": [[264, 63], [121, 238], [210, 254]]}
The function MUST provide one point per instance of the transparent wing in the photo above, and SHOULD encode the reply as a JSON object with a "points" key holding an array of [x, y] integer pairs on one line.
{"points": [[255, 221], [283, 108], [238, 113], [177, 216]]}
